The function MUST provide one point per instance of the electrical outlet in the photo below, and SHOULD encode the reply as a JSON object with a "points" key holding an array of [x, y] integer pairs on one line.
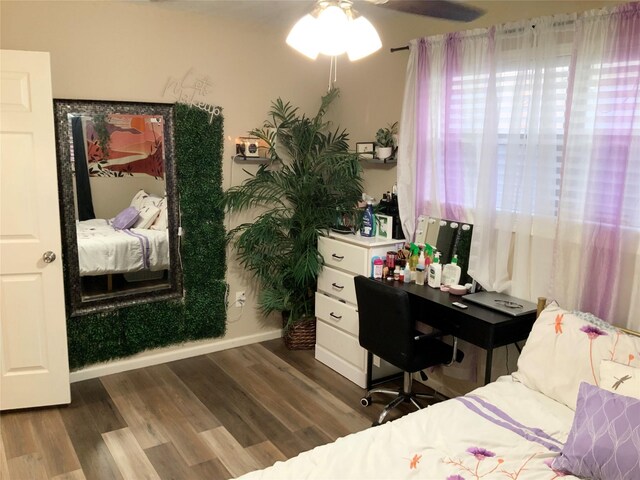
{"points": [[241, 298]]}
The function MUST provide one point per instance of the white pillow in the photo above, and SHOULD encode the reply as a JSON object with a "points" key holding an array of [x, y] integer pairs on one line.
{"points": [[565, 348], [618, 378], [162, 221], [147, 216], [143, 199]]}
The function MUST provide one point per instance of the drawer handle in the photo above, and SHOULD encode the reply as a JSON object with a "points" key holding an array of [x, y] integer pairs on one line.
{"points": [[337, 257], [335, 285], [337, 317]]}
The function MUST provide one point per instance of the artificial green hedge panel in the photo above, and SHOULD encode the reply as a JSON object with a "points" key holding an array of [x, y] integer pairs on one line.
{"points": [[201, 313]]}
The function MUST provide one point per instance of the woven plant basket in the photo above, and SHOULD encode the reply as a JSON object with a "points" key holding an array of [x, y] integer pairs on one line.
{"points": [[300, 335]]}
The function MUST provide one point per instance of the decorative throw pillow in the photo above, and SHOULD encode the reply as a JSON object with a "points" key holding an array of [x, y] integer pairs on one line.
{"points": [[604, 438], [147, 216], [565, 348], [125, 219], [622, 379]]}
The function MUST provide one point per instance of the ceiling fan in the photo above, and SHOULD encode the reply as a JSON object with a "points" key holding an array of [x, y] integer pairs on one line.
{"points": [[449, 10], [334, 27]]}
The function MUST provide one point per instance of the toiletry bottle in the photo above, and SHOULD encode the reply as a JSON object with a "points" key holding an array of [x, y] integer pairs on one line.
{"points": [[407, 272], [435, 272], [420, 275], [421, 260], [451, 272], [378, 264], [368, 221], [428, 255]]}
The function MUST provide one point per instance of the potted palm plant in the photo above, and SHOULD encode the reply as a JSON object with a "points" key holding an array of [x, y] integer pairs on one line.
{"points": [[385, 141], [311, 176]]}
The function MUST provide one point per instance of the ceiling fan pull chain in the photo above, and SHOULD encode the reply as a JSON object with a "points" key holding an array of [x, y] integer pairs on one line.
{"points": [[333, 71]]}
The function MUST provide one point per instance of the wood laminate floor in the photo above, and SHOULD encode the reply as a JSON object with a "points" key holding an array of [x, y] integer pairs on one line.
{"points": [[214, 416]]}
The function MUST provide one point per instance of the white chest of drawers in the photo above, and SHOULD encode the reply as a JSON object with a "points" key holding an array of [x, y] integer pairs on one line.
{"points": [[337, 345]]}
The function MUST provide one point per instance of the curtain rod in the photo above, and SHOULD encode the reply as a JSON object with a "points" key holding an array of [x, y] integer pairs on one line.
{"points": [[397, 49]]}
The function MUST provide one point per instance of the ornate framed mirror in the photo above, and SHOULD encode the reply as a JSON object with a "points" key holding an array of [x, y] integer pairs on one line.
{"points": [[118, 203]]}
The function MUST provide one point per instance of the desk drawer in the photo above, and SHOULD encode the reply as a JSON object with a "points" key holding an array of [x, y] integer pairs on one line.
{"points": [[341, 344], [336, 313], [343, 255], [338, 284]]}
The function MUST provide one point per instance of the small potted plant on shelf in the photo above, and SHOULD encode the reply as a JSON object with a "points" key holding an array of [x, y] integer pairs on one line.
{"points": [[385, 141]]}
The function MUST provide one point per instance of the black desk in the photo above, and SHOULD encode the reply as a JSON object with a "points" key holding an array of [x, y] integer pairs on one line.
{"points": [[485, 328]]}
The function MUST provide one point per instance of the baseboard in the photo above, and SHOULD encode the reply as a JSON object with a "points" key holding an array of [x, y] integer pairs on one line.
{"points": [[169, 354]]}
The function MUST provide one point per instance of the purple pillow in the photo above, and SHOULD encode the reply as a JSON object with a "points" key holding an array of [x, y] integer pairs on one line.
{"points": [[126, 218], [605, 437]]}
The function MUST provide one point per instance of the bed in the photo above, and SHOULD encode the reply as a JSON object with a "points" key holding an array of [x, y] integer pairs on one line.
{"points": [[573, 406], [135, 240]]}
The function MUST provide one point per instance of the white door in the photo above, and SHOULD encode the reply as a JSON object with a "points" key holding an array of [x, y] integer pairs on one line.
{"points": [[34, 367]]}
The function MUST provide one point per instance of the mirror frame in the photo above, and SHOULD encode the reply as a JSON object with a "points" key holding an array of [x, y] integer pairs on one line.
{"points": [[76, 306]]}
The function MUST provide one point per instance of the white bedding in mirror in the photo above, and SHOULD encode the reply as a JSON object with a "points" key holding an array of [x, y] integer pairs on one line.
{"points": [[103, 250]]}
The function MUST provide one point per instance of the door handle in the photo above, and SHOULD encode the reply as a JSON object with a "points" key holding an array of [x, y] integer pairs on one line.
{"points": [[48, 257]]}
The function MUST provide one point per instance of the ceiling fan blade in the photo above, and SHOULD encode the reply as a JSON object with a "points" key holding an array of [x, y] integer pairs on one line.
{"points": [[435, 8]]}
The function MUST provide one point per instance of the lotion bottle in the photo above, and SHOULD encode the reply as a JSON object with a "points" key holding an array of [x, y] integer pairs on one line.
{"points": [[451, 272], [435, 272], [368, 222]]}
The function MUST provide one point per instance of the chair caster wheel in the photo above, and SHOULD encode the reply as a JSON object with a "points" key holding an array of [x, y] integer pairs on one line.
{"points": [[365, 401]]}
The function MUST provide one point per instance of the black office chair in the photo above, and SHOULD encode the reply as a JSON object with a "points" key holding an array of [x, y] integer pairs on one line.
{"points": [[387, 329]]}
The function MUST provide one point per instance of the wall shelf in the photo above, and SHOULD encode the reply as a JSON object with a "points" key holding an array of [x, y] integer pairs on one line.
{"points": [[249, 160], [376, 161]]}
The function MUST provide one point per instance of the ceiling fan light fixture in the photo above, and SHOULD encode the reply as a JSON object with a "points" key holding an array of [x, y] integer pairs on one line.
{"points": [[333, 29], [364, 39], [304, 37]]}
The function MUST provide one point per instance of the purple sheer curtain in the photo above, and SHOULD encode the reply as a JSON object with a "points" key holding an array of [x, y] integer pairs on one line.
{"points": [[449, 68], [599, 210]]}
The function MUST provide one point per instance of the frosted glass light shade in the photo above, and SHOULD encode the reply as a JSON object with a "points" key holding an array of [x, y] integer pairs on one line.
{"points": [[304, 37], [333, 31], [363, 39]]}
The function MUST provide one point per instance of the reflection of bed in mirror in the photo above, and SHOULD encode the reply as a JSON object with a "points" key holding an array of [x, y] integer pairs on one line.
{"points": [[134, 243], [103, 250]]}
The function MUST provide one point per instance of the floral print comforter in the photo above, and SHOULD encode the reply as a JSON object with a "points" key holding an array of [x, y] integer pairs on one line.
{"points": [[501, 431]]}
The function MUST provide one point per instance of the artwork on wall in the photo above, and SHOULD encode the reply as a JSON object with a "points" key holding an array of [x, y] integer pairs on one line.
{"points": [[122, 144]]}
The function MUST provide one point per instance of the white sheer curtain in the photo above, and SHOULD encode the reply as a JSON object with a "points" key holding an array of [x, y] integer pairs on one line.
{"points": [[519, 166], [597, 250], [499, 129]]}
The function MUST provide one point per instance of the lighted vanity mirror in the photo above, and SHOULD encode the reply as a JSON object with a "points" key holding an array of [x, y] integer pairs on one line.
{"points": [[450, 238], [119, 203]]}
